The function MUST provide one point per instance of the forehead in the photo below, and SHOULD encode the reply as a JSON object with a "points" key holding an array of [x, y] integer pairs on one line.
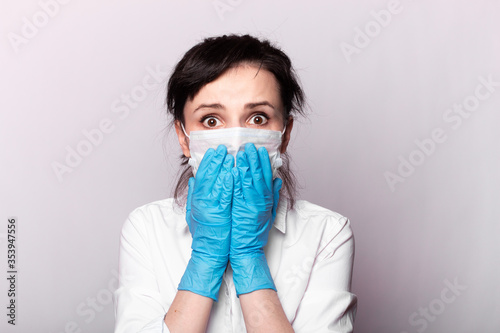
{"points": [[245, 83]]}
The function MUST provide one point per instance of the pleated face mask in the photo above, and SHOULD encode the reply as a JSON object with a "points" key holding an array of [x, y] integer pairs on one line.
{"points": [[234, 138]]}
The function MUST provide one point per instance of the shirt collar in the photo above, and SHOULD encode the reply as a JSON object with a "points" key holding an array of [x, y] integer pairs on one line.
{"points": [[281, 211]]}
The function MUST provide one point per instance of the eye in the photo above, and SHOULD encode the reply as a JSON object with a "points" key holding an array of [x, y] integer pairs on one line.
{"points": [[210, 122], [258, 119]]}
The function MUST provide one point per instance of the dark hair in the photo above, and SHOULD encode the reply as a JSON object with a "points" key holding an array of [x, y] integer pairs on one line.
{"points": [[208, 60]]}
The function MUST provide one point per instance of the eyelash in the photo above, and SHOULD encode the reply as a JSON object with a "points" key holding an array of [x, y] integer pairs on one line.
{"points": [[208, 116], [260, 115]]}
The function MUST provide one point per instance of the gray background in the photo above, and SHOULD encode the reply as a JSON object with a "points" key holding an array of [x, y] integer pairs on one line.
{"points": [[435, 226]]}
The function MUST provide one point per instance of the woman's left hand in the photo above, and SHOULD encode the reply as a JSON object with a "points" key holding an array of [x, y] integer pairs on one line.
{"points": [[255, 199]]}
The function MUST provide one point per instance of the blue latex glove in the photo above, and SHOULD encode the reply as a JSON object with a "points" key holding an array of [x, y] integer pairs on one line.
{"points": [[255, 199], [208, 215]]}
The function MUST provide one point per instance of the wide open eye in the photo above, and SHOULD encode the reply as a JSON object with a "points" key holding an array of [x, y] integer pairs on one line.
{"points": [[211, 122], [258, 119]]}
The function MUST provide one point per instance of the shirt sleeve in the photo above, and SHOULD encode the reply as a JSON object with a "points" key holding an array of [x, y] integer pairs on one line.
{"points": [[138, 304], [327, 304]]}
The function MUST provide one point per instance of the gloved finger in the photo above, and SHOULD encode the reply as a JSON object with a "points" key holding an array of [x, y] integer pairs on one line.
{"points": [[217, 188], [225, 169], [228, 163], [191, 185], [265, 164], [245, 174], [227, 191], [255, 169], [276, 194], [237, 190], [212, 169], [205, 162]]}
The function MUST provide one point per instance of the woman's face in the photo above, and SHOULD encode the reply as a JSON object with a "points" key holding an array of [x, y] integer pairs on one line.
{"points": [[243, 96]]}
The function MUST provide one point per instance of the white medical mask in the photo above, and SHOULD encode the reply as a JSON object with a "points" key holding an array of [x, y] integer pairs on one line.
{"points": [[234, 138]]}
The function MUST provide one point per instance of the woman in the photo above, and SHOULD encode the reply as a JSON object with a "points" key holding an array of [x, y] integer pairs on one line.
{"points": [[270, 263]]}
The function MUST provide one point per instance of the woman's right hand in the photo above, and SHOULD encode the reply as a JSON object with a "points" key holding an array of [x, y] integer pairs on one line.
{"points": [[208, 215]]}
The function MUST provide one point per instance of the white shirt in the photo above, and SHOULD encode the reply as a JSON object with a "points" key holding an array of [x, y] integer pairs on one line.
{"points": [[310, 253]]}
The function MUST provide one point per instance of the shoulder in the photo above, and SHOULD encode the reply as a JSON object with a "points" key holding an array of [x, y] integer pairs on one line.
{"points": [[308, 209], [319, 224], [307, 212], [161, 213], [164, 206]]}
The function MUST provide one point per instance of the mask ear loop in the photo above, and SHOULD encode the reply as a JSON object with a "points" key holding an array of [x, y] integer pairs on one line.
{"points": [[284, 128], [184, 130], [279, 162], [191, 161]]}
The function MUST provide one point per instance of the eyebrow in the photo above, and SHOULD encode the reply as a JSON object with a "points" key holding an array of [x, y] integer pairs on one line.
{"points": [[209, 106], [247, 106], [254, 105]]}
